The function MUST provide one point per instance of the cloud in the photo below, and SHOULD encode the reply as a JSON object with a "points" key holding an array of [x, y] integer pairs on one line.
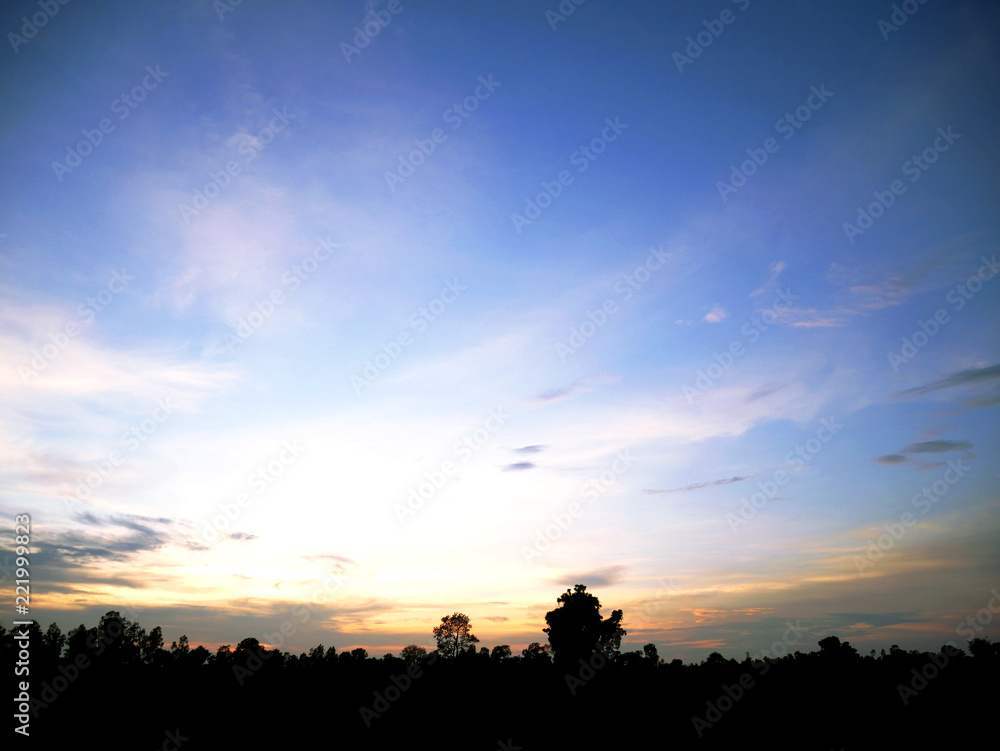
{"points": [[765, 390], [890, 459], [698, 485], [242, 536], [923, 447], [600, 578], [72, 550], [716, 315], [579, 386], [961, 378], [851, 301], [775, 270], [884, 294], [818, 321], [529, 449], [937, 447], [981, 402], [519, 466], [875, 620], [565, 392]]}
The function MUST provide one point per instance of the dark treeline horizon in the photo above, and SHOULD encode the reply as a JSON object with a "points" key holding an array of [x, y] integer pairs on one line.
{"points": [[550, 695]]}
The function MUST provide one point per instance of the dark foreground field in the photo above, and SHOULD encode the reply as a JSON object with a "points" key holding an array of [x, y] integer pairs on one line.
{"points": [[140, 696]]}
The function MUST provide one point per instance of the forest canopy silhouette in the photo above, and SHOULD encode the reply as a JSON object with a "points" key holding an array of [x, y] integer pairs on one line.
{"points": [[580, 674]]}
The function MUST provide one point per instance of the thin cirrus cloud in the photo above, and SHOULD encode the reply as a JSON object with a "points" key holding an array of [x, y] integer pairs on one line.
{"points": [[579, 387], [923, 447], [697, 485], [937, 447], [968, 377], [534, 449], [890, 459]]}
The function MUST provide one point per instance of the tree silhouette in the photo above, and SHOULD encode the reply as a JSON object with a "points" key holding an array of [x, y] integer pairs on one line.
{"points": [[454, 635], [54, 642], [981, 648], [831, 682], [180, 650], [152, 646], [576, 629], [649, 651], [536, 652], [413, 653]]}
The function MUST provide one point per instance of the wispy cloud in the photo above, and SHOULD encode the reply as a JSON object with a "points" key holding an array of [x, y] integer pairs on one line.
{"points": [[578, 387], [937, 447], [923, 447], [767, 289], [697, 485], [890, 459], [970, 376], [602, 577], [519, 466], [529, 449]]}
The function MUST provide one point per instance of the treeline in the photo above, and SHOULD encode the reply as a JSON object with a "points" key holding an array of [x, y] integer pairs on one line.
{"points": [[118, 682]]}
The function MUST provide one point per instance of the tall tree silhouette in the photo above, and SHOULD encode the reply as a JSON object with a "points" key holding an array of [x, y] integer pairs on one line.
{"points": [[454, 635], [576, 628]]}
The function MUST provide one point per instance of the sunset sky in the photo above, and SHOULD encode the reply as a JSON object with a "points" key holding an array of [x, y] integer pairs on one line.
{"points": [[304, 324]]}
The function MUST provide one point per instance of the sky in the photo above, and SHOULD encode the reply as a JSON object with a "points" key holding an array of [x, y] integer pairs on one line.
{"points": [[322, 321]]}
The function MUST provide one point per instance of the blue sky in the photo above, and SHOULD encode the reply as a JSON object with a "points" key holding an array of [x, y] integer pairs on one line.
{"points": [[586, 284]]}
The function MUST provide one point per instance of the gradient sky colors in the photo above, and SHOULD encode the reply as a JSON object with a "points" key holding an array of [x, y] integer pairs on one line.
{"points": [[499, 302]]}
